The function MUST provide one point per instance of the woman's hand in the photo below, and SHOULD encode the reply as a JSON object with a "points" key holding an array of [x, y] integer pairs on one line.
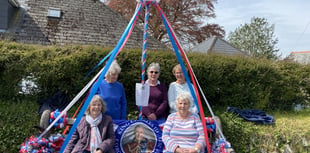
{"points": [[152, 117], [179, 150], [185, 150], [98, 151]]}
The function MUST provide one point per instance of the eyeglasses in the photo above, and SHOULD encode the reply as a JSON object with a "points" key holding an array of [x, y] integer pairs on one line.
{"points": [[156, 72]]}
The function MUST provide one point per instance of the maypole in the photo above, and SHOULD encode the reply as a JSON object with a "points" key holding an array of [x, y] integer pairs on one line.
{"points": [[177, 48], [112, 55], [144, 47]]}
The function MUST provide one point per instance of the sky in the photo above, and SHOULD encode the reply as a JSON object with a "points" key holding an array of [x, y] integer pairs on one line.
{"points": [[290, 17]]}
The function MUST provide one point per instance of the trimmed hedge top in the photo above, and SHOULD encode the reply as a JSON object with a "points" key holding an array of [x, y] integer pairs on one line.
{"points": [[226, 81]]}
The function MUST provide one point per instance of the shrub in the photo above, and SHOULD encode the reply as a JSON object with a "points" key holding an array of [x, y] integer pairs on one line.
{"points": [[17, 123]]}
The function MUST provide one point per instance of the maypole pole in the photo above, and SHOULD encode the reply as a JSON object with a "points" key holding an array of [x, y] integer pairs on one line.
{"points": [[145, 3]]}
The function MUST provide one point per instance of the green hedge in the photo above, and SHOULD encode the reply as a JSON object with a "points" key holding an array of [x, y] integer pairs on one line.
{"points": [[226, 81], [17, 123]]}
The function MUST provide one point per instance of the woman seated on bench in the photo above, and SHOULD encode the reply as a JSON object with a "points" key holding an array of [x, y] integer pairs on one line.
{"points": [[183, 131], [95, 131]]}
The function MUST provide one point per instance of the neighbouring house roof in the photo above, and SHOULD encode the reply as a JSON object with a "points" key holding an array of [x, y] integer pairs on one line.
{"points": [[217, 45], [302, 57], [63, 22], [7, 11], [14, 3]]}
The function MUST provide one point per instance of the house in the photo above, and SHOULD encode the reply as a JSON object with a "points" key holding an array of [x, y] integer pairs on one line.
{"points": [[302, 57], [218, 46], [62, 22], [7, 10]]}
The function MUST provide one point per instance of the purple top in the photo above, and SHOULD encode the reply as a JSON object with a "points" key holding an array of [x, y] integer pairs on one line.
{"points": [[158, 102]]}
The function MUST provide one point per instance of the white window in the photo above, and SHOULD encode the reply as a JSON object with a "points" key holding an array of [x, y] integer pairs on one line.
{"points": [[54, 12]]}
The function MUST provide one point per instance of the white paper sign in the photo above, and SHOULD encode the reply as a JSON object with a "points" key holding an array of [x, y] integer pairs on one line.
{"points": [[142, 94]]}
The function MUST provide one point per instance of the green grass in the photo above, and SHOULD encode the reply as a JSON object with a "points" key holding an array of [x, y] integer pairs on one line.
{"points": [[291, 130]]}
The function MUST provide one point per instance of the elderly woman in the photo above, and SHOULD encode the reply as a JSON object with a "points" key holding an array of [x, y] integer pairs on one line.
{"points": [[95, 133], [183, 131], [158, 99], [178, 87], [113, 93]]}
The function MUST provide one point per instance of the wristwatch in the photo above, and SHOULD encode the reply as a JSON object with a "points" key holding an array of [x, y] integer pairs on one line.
{"points": [[198, 150]]}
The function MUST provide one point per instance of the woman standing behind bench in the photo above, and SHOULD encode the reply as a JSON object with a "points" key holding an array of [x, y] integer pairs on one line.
{"points": [[113, 93], [183, 131], [178, 87], [158, 99]]}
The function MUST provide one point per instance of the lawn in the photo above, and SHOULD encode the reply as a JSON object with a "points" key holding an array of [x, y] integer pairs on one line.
{"points": [[290, 132]]}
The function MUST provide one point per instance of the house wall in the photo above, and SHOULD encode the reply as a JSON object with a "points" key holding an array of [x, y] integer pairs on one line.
{"points": [[7, 12], [302, 58], [86, 22], [4, 14]]}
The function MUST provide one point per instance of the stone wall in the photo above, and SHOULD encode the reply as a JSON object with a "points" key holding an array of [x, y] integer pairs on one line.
{"points": [[85, 22]]}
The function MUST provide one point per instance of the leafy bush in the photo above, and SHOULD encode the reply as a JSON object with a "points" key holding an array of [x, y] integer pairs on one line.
{"points": [[290, 130], [227, 81], [17, 123]]}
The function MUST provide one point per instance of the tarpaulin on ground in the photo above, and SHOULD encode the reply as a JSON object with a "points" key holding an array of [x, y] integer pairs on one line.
{"points": [[253, 115]]}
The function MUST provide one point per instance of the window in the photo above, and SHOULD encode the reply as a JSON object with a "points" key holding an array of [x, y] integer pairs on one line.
{"points": [[54, 12]]}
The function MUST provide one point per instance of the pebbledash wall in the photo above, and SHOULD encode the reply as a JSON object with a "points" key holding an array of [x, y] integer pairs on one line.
{"points": [[83, 22]]}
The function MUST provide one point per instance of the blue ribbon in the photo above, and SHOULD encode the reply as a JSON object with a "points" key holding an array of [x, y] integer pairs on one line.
{"points": [[176, 50], [101, 77]]}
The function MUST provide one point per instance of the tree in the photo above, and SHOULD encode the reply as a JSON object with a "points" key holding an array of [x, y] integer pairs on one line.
{"points": [[257, 39], [186, 17]]}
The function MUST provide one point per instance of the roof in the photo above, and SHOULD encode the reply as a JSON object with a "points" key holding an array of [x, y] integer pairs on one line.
{"points": [[14, 3], [217, 45], [300, 52], [88, 22], [302, 57]]}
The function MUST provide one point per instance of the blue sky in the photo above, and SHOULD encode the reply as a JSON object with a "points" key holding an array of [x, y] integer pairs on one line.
{"points": [[290, 17]]}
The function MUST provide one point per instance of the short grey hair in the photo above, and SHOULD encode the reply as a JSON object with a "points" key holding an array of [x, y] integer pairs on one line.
{"points": [[155, 66], [114, 68], [139, 126], [97, 98], [184, 96]]}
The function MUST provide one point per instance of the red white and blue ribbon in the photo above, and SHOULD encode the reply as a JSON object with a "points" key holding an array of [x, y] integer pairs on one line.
{"points": [[94, 88], [220, 146], [177, 49], [62, 122], [211, 126], [144, 49], [42, 145]]}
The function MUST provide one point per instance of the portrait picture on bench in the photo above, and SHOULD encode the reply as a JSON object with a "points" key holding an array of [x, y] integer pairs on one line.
{"points": [[137, 136]]}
